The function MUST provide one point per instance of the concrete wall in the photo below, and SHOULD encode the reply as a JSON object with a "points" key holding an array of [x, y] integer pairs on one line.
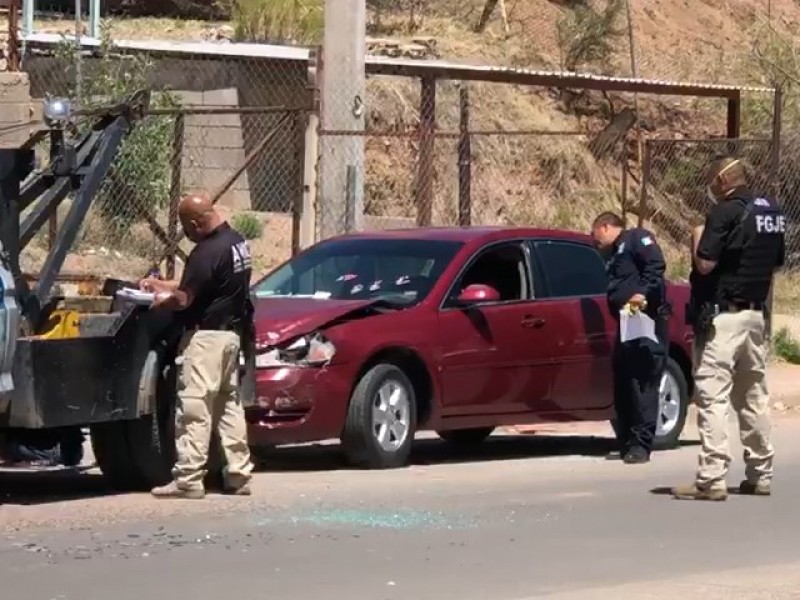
{"points": [[213, 147]]}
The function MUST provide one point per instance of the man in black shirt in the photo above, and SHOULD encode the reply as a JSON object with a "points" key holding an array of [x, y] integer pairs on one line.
{"points": [[212, 303], [635, 269], [739, 248]]}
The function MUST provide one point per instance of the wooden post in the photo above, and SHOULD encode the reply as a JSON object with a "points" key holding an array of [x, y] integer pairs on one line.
{"points": [[175, 192], [427, 133], [734, 116], [464, 160]]}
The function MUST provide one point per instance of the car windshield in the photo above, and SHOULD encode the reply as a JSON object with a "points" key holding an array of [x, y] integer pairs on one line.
{"points": [[399, 270]]}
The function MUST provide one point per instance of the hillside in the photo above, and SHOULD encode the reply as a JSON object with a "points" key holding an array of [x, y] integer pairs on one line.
{"points": [[547, 179]]}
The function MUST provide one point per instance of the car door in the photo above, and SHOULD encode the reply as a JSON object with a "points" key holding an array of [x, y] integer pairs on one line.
{"points": [[9, 330], [573, 277], [494, 356]]}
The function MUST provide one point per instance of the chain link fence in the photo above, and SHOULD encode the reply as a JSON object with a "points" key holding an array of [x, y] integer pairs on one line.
{"points": [[232, 127], [675, 187], [437, 153]]}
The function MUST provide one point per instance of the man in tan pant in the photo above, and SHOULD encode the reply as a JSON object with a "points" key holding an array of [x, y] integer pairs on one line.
{"points": [[212, 301], [734, 257]]}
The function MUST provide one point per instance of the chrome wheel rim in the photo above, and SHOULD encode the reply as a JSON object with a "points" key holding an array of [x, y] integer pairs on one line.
{"points": [[391, 416], [669, 405]]}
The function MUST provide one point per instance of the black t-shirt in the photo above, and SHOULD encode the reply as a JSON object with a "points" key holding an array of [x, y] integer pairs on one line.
{"points": [[745, 253], [217, 277]]}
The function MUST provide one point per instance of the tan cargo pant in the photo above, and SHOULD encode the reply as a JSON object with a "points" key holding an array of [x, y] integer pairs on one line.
{"points": [[730, 371], [208, 397]]}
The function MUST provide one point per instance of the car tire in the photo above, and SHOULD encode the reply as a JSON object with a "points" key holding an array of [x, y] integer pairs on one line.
{"points": [[466, 437], [381, 419], [673, 407]]}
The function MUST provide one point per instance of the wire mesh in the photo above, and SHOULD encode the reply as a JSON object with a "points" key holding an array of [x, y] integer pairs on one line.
{"points": [[676, 179], [230, 127]]}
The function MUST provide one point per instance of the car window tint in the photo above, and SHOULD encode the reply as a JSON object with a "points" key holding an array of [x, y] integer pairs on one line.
{"points": [[362, 268], [570, 269], [501, 267]]}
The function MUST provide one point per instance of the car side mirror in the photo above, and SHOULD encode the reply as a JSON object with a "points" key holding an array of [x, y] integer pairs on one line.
{"points": [[477, 293]]}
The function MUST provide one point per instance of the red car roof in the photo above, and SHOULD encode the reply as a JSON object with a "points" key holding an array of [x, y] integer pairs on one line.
{"points": [[468, 234]]}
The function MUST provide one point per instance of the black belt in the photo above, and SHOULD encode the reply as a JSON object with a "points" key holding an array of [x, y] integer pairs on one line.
{"points": [[231, 328], [739, 306]]}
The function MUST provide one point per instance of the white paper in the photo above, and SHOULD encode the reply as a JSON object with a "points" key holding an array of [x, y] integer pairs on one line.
{"points": [[636, 326], [136, 296]]}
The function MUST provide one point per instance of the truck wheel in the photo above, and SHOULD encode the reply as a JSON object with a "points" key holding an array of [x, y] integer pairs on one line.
{"points": [[466, 437], [110, 447], [673, 404], [139, 454], [381, 419]]}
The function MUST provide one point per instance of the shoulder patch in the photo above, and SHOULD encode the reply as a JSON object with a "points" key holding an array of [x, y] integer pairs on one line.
{"points": [[621, 248], [647, 241]]}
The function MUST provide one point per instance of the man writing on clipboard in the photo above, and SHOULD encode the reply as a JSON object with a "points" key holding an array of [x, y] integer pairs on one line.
{"points": [[635, 268], [212, 302]]}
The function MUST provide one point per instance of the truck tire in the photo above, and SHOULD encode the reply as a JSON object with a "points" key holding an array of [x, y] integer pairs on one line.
{"points": [[365, 442], [139, 454]]}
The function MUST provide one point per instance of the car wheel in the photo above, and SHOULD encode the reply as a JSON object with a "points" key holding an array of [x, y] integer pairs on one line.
{"points": [[381, 419], [466, 437], [673, 404]]}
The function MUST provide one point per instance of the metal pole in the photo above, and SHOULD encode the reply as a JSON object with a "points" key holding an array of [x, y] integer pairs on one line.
{"points": [[28, 7], [774, 186], [464, 160], [350, 200], [78, 48], [94, 19]]}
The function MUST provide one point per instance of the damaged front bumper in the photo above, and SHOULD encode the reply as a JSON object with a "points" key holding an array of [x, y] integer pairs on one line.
{"points": [[299, 395], [297, 404]]}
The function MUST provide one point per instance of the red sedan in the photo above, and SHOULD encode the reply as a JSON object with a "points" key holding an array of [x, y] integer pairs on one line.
{"points": [[372, 337]]}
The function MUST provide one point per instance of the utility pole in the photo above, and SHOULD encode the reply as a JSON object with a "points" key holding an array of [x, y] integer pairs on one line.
{"points": [[343, 118]]}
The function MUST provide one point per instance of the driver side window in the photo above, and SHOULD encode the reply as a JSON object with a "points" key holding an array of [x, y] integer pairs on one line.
{"points": [[502, 267]]}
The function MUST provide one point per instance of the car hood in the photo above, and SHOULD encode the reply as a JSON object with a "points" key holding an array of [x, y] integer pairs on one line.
{"points": [[281, 319]]}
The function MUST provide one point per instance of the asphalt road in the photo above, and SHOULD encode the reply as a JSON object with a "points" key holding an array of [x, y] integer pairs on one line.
{"points": [[520, 518]]}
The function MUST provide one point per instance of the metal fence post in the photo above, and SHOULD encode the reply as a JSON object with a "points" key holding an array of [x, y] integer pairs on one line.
{"points": [[94, 19], [28, 7], [176, 184], [464, 160], [774, 185], [645, 178], [427, 133]]}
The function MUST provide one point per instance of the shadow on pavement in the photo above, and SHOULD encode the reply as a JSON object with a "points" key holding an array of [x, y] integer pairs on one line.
{"points": [[21, 489], [24, 489], [328, 457]]}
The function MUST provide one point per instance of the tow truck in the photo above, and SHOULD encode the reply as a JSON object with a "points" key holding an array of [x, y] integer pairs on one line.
{"points": [[97, 362]]}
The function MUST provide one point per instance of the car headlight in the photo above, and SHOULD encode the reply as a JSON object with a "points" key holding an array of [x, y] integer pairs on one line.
{"points": [[308, 350]]}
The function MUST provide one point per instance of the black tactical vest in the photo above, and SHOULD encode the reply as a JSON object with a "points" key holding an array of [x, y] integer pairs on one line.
{"points": [[753, 252]]}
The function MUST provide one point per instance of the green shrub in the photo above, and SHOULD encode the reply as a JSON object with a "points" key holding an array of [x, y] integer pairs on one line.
{"points": [[786, 347], [248, 225], [140, 176], [277, 21]]}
